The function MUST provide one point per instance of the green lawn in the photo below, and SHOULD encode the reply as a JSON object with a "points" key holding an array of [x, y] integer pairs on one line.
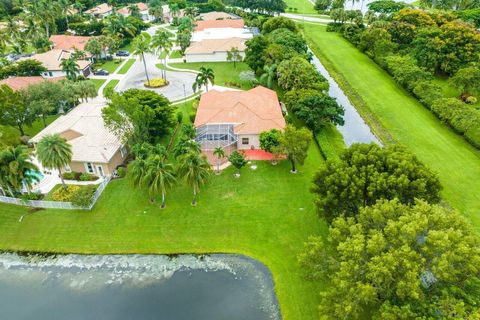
{"points": [[224, 72], [267, 214], [97, 82], [11, 136], [450, 91], [176, 55], [111, 84], [302, 6], [386, 105], [124, 69], [109, 65]]}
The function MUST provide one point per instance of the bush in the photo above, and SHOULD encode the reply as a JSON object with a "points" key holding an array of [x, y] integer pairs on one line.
{"points": [[156, 83], [471, 100], [192, 116], [427, 92], [179, 116], [83, 197], [334, 26], [31, 196], [65, 195], [233, 84], [71, 175], [88, 177], [121, 172]]}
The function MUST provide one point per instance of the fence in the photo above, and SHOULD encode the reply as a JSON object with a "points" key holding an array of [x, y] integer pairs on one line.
{"points": [[57, 204]]}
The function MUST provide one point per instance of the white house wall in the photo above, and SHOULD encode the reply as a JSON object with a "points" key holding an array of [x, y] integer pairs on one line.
{"points": [[254, 142], [209, 57], [221, 33]]}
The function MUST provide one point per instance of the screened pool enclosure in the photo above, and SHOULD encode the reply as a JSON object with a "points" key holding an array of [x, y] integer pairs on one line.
{"points": [[211, 136]]}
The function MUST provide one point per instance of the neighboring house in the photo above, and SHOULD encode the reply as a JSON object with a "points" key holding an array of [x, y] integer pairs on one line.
{"points": [[19, 83], [101, 11], [214, 49], [234, 119], [65, 42], [215, 15], [221, 29], [95, 149], [52, 60], [168, 15], [142, 7]]}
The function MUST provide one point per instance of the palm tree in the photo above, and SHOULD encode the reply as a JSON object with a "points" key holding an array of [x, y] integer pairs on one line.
{"points": [[161, 43], [16, 168], [268, 75], [118, 26], [70, 67], [159, 176], [196, 170], [191, 12], [141, 46], [205, 76], [219, 153], [54, 152]]}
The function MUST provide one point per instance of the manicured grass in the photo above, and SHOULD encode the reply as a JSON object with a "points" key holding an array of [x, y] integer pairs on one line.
{"points": [[386, 105], [302, 6], [111, 84], [266, 214], [10, 135], [97, 82], [176, 55], [109, 65], [124, 69], [224, 72]]}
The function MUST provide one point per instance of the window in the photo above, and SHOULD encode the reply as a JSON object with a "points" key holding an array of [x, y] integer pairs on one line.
{"points": [[245, 141], [89, 167], [50, 74], [123, 151]]}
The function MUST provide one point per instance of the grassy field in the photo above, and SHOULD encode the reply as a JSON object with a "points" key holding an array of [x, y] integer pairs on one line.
{"points": [[224, 72], [10, 135], [110, 65], [124, 69], [302, 6], [97, 82], [381, 100], [176, 54], [111, 84], [266, 214]]}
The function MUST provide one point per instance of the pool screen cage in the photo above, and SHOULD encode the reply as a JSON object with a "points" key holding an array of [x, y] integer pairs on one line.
{"points": [[211, 136]]}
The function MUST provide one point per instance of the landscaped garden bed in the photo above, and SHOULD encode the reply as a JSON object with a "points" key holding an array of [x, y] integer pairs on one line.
{"points": [[79, 176], [156, 83]]}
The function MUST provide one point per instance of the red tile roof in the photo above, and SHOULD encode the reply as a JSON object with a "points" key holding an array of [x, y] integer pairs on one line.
{"points": [[65, 42], [18, 83], [252, 111], [229, 23], [140, 5]]}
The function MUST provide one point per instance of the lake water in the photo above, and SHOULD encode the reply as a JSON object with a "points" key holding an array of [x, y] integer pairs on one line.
{"points": [[140, 287], [355, 129]]}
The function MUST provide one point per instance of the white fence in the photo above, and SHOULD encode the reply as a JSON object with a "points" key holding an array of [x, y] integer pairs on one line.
{"points": [[57, 204]]}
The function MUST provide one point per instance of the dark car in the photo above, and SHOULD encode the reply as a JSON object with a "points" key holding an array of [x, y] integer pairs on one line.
{"points": [[123, 54], [101, 72]]}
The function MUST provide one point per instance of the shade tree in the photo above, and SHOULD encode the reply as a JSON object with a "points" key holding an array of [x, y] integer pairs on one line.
{"points": [[294, 144]]}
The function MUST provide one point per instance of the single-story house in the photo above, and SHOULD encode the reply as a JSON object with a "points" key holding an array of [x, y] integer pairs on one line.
{"points": [[221, 29], [101, 11], [234, 120], [214, 49], [215, 15], [95, 149], [142, 8], [19, 83], [168, 15], [52, 60], [66, 42]]}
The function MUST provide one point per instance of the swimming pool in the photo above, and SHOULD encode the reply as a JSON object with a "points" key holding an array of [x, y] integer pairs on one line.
{"points": [[36, 175]]}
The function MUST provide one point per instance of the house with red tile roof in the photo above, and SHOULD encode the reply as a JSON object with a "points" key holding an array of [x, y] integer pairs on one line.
{"points": [[142, 8], [101, 11], [66, 42], [19, 83], [215, 24], [234, 120]]}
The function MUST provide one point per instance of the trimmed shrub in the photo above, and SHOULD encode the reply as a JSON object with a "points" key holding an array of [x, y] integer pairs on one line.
{"points": [[71, 175], [427, 92], [65, 195], [83, 197], [121, 172], [192, 116], [155, 83], [88, 177]]}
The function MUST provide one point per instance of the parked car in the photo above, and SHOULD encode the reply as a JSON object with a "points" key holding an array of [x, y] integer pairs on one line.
{"points": [[123, 54], [101, 72]]}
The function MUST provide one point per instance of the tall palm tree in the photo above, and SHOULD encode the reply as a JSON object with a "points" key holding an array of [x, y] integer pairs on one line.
{"points": [[191, 12], [141, 46], [70, 67], [16, 168], [161, 43], [196, 170], [118, 26], [268, 75], [219, 153], [54, 152], [159, 176], [205, 76]]}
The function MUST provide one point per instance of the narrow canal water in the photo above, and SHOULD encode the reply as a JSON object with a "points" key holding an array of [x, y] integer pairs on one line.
{"points": [[355, 129], [140, 287]]}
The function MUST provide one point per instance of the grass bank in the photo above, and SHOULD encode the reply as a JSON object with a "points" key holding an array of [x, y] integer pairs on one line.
{"points": [[124, 69], [301, 6], [266, 214], [397, 116]]}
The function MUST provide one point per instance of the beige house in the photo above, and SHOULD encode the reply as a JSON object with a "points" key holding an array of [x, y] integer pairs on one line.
{"points": [[52, 61], [95, 149], [142, 8], [101, 11], [214, 49], [234, 120]]}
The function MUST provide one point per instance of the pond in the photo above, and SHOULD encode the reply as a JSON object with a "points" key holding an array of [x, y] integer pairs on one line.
{"points": [[355, 129], [139, 287]]}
